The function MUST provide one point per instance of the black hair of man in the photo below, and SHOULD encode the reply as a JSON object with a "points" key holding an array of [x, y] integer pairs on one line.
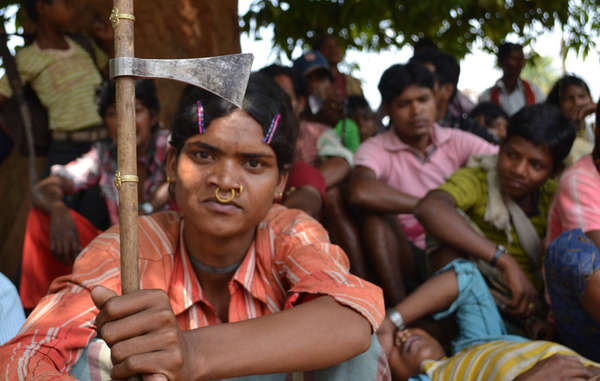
{"points": [[356, 103], [447, 69], [505, 49], [489, 111], [31, 8], [275, 70], [543, 124], [398, 77], [562, 84]]}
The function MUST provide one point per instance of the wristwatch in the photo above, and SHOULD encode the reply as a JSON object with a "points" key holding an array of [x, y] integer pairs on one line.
{"points": [[499, 251], [396, 318]]}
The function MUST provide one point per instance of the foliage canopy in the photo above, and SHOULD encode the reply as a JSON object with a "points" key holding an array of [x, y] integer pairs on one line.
{"points": [[454, 25]]}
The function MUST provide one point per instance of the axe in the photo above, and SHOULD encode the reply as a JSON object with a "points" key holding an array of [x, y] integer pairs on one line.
{"points": [[225, 76]]}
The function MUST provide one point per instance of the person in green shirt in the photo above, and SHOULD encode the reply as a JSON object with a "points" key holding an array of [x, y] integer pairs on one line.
{"points": [[359, 124], [506, 200]]}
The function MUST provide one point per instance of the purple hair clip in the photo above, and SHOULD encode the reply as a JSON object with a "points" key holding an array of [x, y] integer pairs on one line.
{"points": [[272, 129], [200, 117]]}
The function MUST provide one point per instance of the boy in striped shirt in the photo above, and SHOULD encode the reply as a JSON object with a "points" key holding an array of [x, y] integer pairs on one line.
{"points": [[64, 76]]}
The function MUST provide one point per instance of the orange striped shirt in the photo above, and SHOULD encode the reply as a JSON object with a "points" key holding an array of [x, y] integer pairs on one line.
{"points": [[290, 256]]}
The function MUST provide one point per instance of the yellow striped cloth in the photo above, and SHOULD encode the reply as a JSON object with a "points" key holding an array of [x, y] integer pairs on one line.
{"points": [[64, 80], [495, 361]]}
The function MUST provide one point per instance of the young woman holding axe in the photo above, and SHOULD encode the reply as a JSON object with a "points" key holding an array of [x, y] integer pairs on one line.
{"points": [[232, 285]]}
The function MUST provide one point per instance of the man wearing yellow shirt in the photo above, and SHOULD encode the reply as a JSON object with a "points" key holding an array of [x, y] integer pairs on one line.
{"points": [[506, 199]]}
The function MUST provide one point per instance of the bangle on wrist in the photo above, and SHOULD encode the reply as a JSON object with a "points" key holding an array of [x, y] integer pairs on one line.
{"points": [[499, 251], [396, 318]]}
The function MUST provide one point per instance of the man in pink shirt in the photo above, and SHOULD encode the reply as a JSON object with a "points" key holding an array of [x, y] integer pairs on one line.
{"points": [[395, 169]]}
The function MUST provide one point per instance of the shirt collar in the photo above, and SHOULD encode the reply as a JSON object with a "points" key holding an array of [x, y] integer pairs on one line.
{"points": [[185, 289], [439, 136], [500, 85]]}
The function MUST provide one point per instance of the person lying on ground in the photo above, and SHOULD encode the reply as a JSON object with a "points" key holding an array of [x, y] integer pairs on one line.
{"points": [[231, 285], [482, 349], [55, 234], [496, 210]]}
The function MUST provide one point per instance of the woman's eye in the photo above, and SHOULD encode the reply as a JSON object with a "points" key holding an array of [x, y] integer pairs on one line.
{"points": [[252, 163], [202, 155]]}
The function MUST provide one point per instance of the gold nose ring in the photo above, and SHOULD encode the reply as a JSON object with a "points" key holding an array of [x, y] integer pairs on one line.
{"points": [[224, 200], [240, 189]]}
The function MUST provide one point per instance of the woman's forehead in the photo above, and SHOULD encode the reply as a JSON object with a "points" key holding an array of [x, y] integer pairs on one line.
{"points": [[234, 132]]}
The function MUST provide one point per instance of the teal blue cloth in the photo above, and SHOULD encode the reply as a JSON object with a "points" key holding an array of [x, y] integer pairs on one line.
{"points": [[477, 316]]}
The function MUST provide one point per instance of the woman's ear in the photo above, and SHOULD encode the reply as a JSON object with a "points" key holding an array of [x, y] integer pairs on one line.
{"points": [[171, 167], [280, 187]]}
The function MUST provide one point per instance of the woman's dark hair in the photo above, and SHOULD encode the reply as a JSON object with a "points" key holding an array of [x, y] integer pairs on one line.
{"points": [[562, 84], [264, 99], [504, 50], [543, 125], [489, 110], [145, 92], [398, 77]]}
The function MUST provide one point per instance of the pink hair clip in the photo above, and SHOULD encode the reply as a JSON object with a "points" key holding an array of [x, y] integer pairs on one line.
{"points": [[200, 117], [272, 128]]}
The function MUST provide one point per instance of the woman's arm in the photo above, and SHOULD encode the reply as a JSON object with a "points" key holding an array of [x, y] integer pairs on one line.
{"points": [[367, 192], [144, 338]]}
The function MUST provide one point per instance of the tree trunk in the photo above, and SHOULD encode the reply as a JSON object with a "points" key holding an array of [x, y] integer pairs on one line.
{"points": [[163, 29]]}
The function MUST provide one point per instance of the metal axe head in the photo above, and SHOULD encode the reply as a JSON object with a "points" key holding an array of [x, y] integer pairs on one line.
{"points": [[225, 76]]}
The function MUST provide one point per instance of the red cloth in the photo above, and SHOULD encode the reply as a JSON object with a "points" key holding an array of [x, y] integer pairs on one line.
{"points": [[40, 267], [527, 90], [303, 174]]}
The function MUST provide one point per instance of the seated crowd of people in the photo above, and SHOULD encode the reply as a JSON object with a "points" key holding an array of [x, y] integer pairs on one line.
{"points": [[273, 236]]}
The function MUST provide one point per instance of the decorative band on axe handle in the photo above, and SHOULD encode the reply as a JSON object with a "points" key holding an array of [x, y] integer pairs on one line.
{"points": [[120, 179], [225, 76]]}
